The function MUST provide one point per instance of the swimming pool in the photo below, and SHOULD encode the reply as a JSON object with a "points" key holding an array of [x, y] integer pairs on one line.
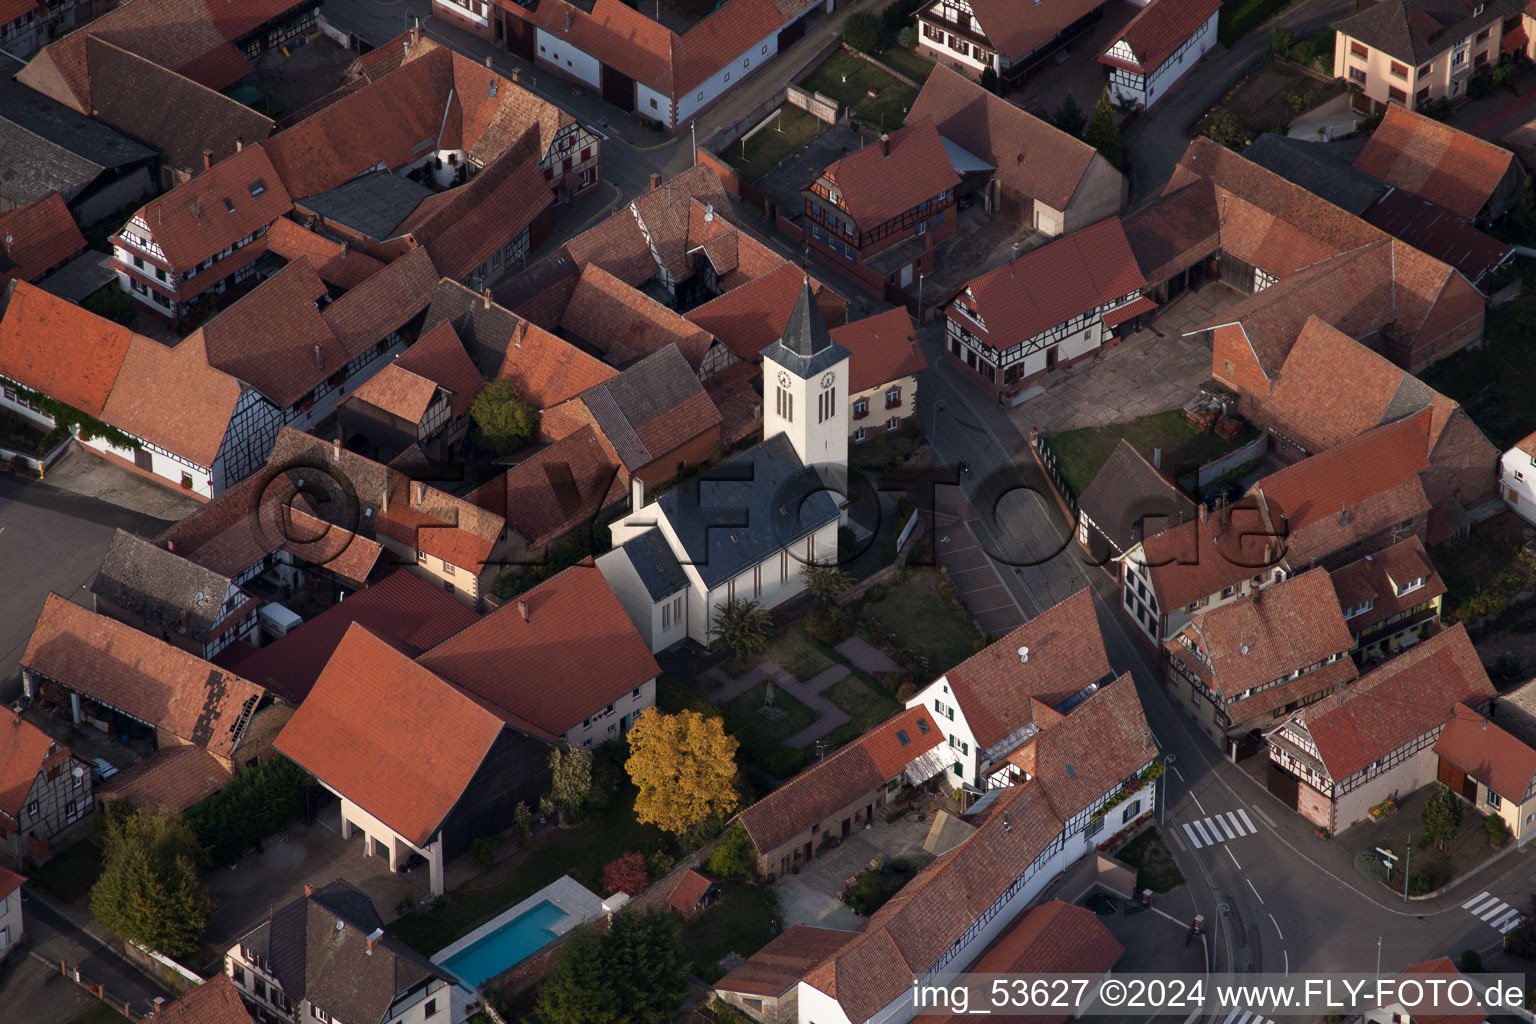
{"points": [[508, 945]]}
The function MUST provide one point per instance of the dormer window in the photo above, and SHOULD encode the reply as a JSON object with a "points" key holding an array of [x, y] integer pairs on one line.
{"points": [[1410, 586], [1359, 609]]}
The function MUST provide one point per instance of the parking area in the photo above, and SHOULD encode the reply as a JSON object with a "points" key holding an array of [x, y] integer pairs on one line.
{"points": [[978, 585], [810, 897]]}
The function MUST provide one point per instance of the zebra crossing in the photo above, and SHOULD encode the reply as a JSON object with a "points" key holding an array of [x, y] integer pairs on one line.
{"points": [[1246, 1017], [1218, 828], [1494, 912]]}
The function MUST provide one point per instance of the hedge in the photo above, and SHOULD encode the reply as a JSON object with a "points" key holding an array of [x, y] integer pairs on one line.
{"points": [[255, 804], [1239, 17]]}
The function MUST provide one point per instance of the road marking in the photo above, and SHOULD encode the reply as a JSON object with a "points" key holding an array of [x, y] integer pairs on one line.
{"points": [[1193, 838], [1506, 920], [1256, 892], [1479, 898], [1233, 856], [1277, 927], [1287, 962], [1199, 827], [1197, 802], [1246, 820], [1496, 910], [1234, 1013], [1233, 819], [1178, 773]]}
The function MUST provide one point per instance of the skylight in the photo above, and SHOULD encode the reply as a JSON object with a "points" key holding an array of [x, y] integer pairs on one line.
{"points": [[257, 187], [229, 205], [901, 734]]}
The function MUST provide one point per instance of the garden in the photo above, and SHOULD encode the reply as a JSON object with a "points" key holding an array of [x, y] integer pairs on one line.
{"points": [[1451, 838], [741, 922], [773, 145], [1154, 865], [873, 888], [1496, 381], [919, 619], [1268, 99], [1185, 446], [871, 94]]}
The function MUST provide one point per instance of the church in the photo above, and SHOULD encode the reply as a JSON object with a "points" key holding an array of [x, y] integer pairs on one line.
{"points": [[742, 530]]}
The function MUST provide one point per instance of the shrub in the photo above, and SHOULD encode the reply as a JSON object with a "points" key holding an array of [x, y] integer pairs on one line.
{"points": [[1369, 864], [1069, 117], [735, 857], [1498, 830], [1418, 885], [482, 853], [1237, 20], [864, 31], [892, 682], [874, 595], [1471, 961], [872, 889], [906, 691], [989, 79], [255, 804], [1227, 129], [660, 862], [627, 873], [827, 625]]}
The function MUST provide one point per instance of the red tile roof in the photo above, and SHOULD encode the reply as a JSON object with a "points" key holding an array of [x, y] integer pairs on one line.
{"points": [[690, 889], [1017, 30], [752, 316], [624, 324], [1411, 695], [479, 218], [867, 763], [779, 966], [333, 261], [1196, 559], [215, 1001], [383, 303], [10, 881], [173, 777], [402, 609], [398, 392], [173, 398], [1431, 159], [1374, 580], [1104, 739], [559, 490], [883, 180], [882, 348], [37, 237], [1031, 156], [1158, 31], [141, 676], [359, 756], [575, 654], [548, 370], [216, 209], [56, 348], [25, 753], [439, 356], [1052, 284], [1495, 758], [996, 691], [1428, 1014]]}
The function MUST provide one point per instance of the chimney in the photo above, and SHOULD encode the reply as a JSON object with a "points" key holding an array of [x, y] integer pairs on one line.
{"points": [[373, 939], [207, 159], [336, 450], [522, 609], [239, 146], [487, 298], [570, 16], [418, 492], [384, 509], [655, 182], [885, 144], [1157, 458], [517, 76], [416, 31], [309, 890], [319, 357], [1204, 513]]}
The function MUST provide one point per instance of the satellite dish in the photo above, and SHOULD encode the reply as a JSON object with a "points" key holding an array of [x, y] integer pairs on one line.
{"points": [[1023, 655]]}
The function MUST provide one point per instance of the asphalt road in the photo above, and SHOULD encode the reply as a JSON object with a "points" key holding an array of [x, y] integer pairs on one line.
{"points": [[51, 540], [57, 937]]}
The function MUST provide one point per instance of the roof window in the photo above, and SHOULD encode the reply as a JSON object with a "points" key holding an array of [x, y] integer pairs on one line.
{"points": [[229, 205], [257, 187], [901, 735]]}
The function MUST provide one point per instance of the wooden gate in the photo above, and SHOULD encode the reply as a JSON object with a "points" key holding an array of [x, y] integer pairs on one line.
{"points": [[1284, 785], [618, 88]]}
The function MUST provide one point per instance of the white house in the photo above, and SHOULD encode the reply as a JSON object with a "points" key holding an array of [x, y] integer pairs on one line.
{"points": [[1517, 479], [742, 530], [1158, 47], [992, 705], [12, 929]]}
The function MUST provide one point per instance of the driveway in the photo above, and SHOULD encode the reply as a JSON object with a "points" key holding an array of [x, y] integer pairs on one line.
{"points": [[810, 897]]}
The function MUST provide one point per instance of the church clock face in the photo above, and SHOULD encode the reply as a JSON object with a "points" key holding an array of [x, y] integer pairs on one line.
{"points": [[783, 379], [828, 380]]}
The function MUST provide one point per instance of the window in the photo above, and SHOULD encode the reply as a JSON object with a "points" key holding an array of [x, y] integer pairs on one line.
{"points": [[260, 988], [861, 408], [32, 808], [1396, 95], [858, 435], [1493, 800], [430, 1010], [1357, 75], [653, 107], [826, 405], [1426, 69], [318, 1013], [447, 587], [1359, 50], [1482, 36], [237, 973], [634, 694], [1398, 70], [1458, 58], [1133, 809], [786, 406], [892, 424], [892, 397], [958, 770]]}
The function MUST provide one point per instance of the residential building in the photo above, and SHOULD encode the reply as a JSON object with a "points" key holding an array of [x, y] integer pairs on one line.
{"points": [[336, 263], [45, 800], [1335, 760], [171, 597], [692, 894], [1437, 1007], [1391, 600], [567, 489], [1046, 309], [741, 530], [419, 400], [325, 956], [549, 633], [468, 765], [1414, 52], [168, 413], [1491, 769], [1331, 389], [639, 65], [1242, 666], [215, 1001], [189, 123], [766, 984], [1040, 178], [993, 703], [402, 609], [1158, 47], [1013, 40], [37, 238], [1330, 509], [1472, 178], [48, 147], [879, 211], [25, 28], [751, 315], [13, 925], [120, 680], [203, 236], [621, 324], [1517, 473], [1129, 500], [847, 790], [883, 365]]}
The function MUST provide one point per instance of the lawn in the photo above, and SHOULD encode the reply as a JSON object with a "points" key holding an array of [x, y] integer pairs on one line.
{"points": [[849, 80], [579, 851], [762, 738], [864, 701], [101, 1013], [71, 874], [926, 622], [1154, 865], [774, 144], [798, 654], [908, 62], [741, 922], [1083, 451]]}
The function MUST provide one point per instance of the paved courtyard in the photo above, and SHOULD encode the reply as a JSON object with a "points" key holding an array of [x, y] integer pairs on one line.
{"points": [[811, 896], [1152, 371]]}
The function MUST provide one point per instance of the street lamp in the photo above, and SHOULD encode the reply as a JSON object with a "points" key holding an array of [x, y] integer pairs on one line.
{"points": [[1407, 866], [920, 299]]}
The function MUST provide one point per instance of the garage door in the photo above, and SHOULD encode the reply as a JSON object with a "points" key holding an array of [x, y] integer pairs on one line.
{"points": [[1284, 785]]}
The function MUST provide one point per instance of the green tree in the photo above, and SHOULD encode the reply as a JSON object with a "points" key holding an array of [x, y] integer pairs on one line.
{"points": [[1069, 116], [1102, 133], [522, 817], [735, 856], [150, 890], [824, 582], [744, 627], [864, 31], [570, 780], [1227, 129], [632, 975], [1441, 816], [502, 420], [989, 79]]}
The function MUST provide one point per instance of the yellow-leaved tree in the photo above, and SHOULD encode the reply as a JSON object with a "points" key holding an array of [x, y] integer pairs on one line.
{"points": [[684, 766]]}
